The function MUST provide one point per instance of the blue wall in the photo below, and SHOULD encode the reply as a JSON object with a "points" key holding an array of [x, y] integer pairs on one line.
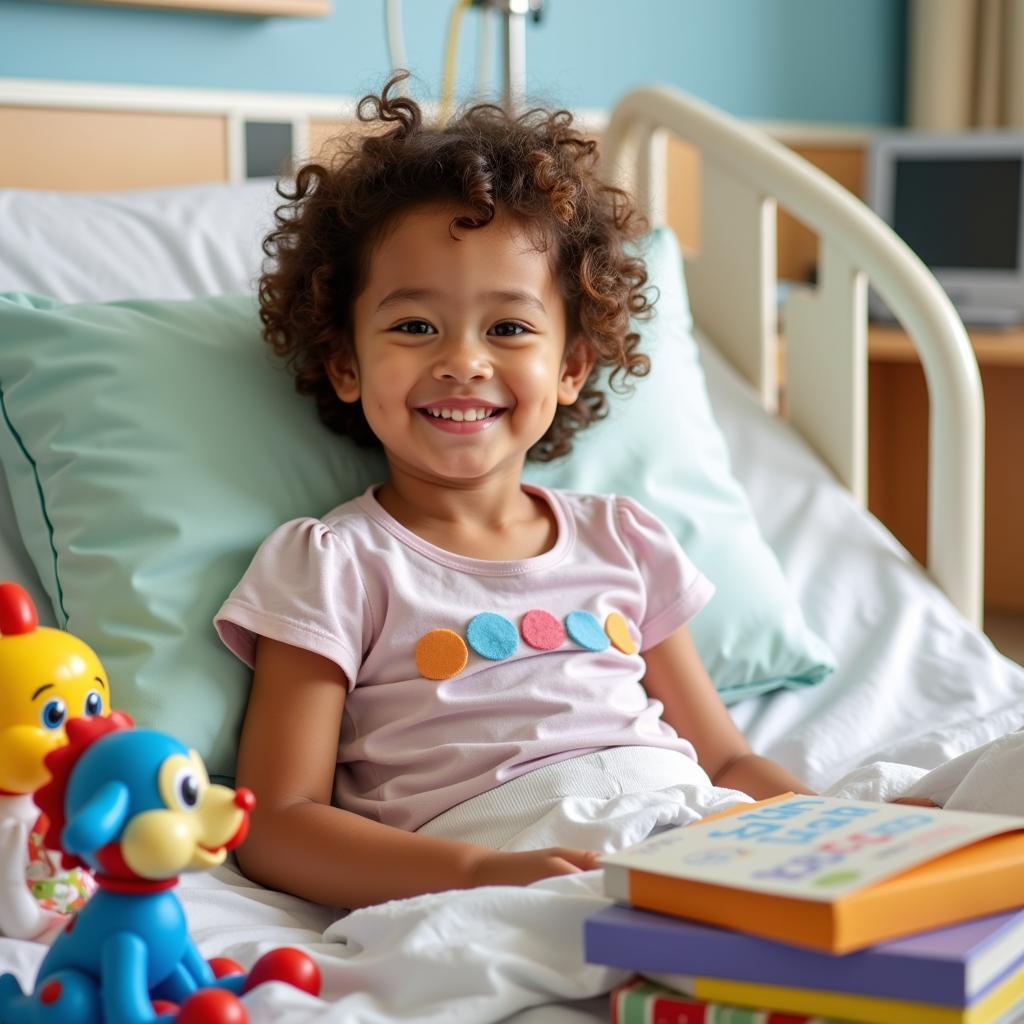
{"points": [[820, 60]]}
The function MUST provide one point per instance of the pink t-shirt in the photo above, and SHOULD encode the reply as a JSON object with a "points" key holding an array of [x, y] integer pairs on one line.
{"points": [[362, 590]]}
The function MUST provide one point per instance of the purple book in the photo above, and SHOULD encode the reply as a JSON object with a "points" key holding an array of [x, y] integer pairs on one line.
{"points": [[953, 966]]}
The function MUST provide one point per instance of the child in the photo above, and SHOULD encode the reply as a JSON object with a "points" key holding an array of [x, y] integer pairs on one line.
{"points": [[436, 658]]}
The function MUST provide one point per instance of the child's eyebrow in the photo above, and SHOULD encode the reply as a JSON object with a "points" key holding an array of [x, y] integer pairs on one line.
{"points": [[501, 295]]}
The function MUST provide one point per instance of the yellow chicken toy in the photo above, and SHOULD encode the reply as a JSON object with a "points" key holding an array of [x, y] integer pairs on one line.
{"points": [[46, 677]]}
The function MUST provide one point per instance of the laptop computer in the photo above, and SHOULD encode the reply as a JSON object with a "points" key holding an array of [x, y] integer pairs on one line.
{"points": [[958, 202]]}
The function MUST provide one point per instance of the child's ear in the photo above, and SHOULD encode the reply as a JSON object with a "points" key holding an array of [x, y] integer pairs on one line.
{"points": [[344, 377], [576, 366]]}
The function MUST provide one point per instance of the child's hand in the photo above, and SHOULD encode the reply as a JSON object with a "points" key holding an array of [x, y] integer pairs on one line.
{"points": [[914, 801], [499, 868]]}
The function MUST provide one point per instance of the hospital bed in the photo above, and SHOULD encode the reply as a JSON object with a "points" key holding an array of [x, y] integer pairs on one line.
{"points": [[917, 682]]}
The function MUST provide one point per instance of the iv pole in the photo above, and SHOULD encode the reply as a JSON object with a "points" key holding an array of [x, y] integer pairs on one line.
{"points": [[514, 13]]}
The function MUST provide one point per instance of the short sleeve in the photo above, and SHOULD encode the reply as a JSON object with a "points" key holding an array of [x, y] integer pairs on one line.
{"points": [[675, 588], [302, 588]]}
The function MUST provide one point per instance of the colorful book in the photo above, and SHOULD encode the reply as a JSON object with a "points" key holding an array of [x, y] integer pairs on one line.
{"points": [[641, 1002], [1002, 1003], [956, 966], [824, 873]]}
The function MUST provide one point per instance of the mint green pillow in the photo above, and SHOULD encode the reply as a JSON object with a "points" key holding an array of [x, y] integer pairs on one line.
{"points": [[151, 445]]}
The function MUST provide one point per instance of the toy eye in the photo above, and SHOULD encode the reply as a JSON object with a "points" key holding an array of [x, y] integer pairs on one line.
{"points": [[183, 782], [93, 704], [53, 714], [186, 789]]}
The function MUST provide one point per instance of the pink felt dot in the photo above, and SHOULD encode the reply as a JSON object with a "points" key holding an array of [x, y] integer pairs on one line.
{"points": [[542, 630]]}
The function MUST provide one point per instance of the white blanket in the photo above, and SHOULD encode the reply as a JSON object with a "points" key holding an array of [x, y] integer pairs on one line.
{"points": [[481, 955]]}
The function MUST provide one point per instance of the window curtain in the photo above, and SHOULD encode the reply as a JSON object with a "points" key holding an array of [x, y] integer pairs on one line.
{"points": [[965, 65]]}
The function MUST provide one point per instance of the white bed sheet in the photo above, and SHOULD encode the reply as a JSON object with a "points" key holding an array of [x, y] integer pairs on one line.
{"points": [[916, 683]]}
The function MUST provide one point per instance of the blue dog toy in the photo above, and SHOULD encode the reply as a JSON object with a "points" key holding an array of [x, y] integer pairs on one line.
{"points": [[137, 808]]}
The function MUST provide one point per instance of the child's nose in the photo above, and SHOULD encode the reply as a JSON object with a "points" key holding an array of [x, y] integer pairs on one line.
{"points": [[463, 360]]}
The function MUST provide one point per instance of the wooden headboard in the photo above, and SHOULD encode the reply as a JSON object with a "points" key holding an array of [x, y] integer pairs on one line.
{"points": [[90, 137], [73, 136]]}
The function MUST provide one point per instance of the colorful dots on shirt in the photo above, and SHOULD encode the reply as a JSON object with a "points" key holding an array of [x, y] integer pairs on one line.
{"points": [[618, 632], [541, 630], [586, 631], [442, 653], [492, 636]]}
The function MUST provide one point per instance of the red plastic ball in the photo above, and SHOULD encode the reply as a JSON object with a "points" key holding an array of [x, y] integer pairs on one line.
{"points": [[286, 964], [222, 966], [213, 1006]]}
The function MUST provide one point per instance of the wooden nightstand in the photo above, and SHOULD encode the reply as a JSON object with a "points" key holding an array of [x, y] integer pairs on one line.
{"points": [[898, 441]]}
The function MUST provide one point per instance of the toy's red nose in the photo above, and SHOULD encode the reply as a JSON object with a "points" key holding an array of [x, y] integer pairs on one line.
{"points": [[245, 798]]}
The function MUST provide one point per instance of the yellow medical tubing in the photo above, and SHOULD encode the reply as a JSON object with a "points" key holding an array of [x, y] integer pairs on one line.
{"points": [[451, 53]]}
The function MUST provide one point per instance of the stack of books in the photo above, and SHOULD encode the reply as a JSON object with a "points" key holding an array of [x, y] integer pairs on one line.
{"points": [[820, 908], [640, 1002]]}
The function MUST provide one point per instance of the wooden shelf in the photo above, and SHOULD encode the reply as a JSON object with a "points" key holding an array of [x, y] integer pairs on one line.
{"points": [[890, 344], [898, 451], [259, 8], [898, 417]]}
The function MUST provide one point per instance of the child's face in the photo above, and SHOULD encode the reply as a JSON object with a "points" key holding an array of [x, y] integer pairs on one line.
{"points": [[446, 327]]}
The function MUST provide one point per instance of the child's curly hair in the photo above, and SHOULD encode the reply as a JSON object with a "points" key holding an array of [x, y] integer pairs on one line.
{"points": [[536, 166]]}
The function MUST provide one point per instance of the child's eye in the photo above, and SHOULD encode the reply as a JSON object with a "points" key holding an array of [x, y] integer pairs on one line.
{"points": [[508, 329], [415, 327]]}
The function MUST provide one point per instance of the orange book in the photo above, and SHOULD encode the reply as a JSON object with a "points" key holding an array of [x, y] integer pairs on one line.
{"points": [[824, 873]]}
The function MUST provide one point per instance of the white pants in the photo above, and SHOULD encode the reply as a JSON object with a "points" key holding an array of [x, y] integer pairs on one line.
{"points": [[601, 801]]}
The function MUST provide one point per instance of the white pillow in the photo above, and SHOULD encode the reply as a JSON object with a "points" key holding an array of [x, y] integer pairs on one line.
{"points": [[169, 243]]}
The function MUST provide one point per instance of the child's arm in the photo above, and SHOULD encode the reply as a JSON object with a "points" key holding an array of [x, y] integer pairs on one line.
{"points": [[301, 844], [676, 676]]}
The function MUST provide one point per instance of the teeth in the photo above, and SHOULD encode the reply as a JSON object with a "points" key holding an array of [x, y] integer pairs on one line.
{"points": [[469, 415]]}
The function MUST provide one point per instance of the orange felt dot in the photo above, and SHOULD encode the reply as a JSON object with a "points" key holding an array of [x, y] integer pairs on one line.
{"points": [[441, 654], [618, 632]]}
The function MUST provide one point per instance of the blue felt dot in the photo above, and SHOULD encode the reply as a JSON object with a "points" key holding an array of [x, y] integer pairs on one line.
{"points": [[492, 636], [585, 630]]}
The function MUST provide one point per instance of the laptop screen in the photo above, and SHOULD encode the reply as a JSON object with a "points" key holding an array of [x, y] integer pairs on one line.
{"points": [[959, 214]]}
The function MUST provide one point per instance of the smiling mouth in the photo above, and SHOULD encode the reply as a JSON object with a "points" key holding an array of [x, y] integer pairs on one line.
{"points": [[462, 415], [456, 422]]}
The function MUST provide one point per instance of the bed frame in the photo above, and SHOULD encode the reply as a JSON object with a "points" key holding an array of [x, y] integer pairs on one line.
{"points": [[744, 175], [733, 287]]}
